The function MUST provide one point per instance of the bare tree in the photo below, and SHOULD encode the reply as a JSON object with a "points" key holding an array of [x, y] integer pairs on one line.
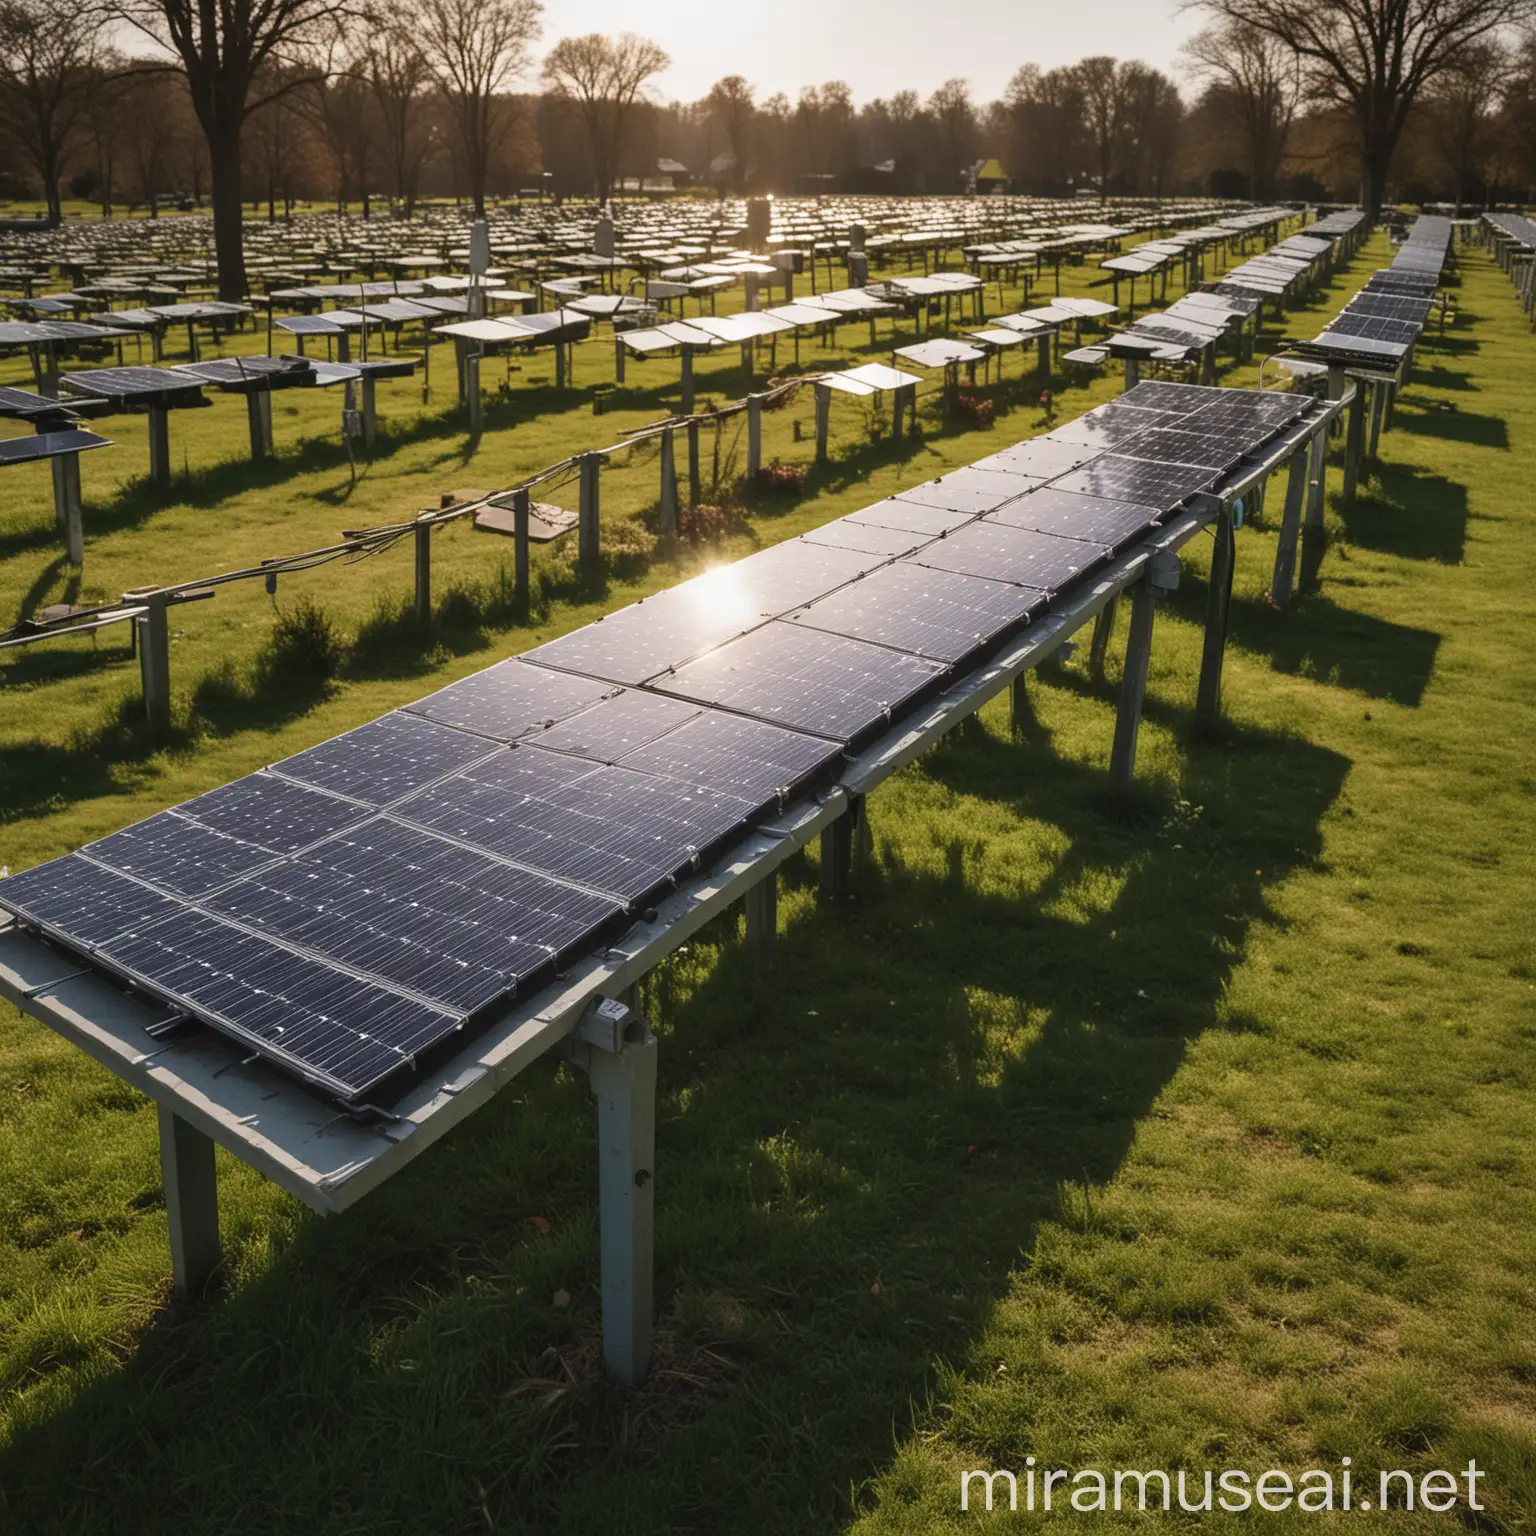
{"points": [[1048, 115], [954, 119], [1259, 78], [1102, 83], [1460, 108], [732, 107], [475, 49], [154, 115], [48, 54], [1374, 57], [1152, 117], [225, 47], [603, 77], [398, 76]]}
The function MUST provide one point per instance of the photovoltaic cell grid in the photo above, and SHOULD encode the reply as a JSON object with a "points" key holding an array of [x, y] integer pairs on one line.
{"points": [[349, 912]]}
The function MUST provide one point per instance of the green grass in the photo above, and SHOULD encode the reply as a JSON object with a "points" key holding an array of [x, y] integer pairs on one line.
{"points": [[1192, 1132]]}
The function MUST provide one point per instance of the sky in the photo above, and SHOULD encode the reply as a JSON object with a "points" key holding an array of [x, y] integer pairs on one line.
{"points": [[878, 46]]}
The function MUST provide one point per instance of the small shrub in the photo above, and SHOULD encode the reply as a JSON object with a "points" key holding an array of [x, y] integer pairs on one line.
{"points": [[974, 409], [707, 524], [627, 547], [781, 477], [305, 647]]}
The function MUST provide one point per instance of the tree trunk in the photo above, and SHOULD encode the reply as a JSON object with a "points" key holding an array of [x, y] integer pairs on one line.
{"points": [[1374, 165], [228, 211]]}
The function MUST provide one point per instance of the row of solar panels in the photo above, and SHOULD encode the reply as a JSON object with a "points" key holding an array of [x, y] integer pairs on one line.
{"points": [[1384, 319], [351, 911]]}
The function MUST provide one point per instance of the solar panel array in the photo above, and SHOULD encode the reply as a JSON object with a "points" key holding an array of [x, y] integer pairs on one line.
{"points": [[1378, 326], [352, 911]]}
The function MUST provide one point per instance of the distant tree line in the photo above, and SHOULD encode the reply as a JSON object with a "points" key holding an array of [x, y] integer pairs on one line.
{"points": [[259, 104]]}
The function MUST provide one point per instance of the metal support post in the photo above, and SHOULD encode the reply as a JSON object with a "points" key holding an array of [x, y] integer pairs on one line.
{"points": [[66, 506], [588, 534], [1282, 583], [521, 505], [423, 533], [823, 420], [1162, 575], [559, 365], [1217, 612], [1378, 407], [762, 905], [1103, 632], [668, 486], [687, 401], [1354, 443], [160, 446], [155, 661], [1132, 373], [191, 1202], [837, 859], [620, 1054], [258, 411], [471, 369], [695, 484], [754, 437], [371, 411]]}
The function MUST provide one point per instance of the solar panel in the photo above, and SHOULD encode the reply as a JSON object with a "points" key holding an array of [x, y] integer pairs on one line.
{"points": [[1158, 395], [925, 612], [1004, 553], [1260, 413], [401, 905], [1070, 516], [1111, 425], [909, 517], [662, 632], [1402, 332], [845, 533], [138, 384], [617, 725], [281, 1002], [82, 902], [965, 491], [1041, 457], [509, 700], [790, 675], [760, 763], [247, 372], [1125, 479], [610, 829], [209, 841], [1217, 449], [49, 445], [385, 759]]}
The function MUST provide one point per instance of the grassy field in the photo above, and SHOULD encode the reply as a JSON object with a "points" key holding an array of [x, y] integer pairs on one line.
{"points": [[1194, 1132]]}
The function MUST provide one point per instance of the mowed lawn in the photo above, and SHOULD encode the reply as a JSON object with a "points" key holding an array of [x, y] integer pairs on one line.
{"points": [[1190, 1131]]}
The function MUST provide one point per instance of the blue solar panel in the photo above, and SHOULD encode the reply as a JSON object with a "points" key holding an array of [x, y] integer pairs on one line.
{"points": [[509, 700], [385, 759]]}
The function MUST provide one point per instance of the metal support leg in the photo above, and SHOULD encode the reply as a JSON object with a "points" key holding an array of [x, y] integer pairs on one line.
{"points": [[1317, 480], [687, 382], [1217, 611], [424, 574], [155, 662], [754, 438], [160, 446], [472, 392], [823, 420], [521, 506], [1103, 632], [668, 486], [837, 859], [1133, 688], [624, 1085], [191, 1202], [1132, 373], [695, 481], [1378, 406], [588, 534], [66, 506], [371, 410], [763, 913], [1020, 713], [1283, 583], [258, 412], [1354, 443]]}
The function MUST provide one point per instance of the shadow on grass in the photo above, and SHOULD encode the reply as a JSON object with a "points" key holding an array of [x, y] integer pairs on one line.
{"points": [[1470, 427], [1407, 512], [856, 1144]]}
